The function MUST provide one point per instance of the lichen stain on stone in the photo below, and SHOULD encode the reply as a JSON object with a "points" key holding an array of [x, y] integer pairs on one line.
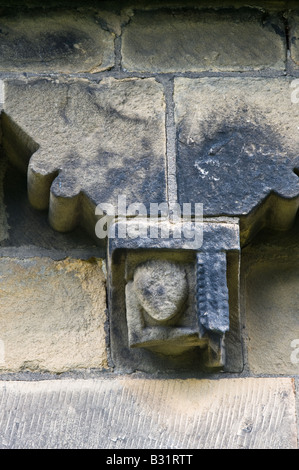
{"points": [[47, 46]]}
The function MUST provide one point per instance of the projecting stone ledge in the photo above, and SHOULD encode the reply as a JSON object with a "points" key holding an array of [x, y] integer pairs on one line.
{"points": [[86, 143], [127, 413], [237, 149]]}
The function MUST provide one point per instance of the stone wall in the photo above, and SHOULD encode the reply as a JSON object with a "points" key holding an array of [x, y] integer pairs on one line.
{"points": [[108, 98]]}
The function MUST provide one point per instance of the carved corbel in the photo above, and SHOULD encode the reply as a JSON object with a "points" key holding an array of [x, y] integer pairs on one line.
{"points": [[170, 300]]}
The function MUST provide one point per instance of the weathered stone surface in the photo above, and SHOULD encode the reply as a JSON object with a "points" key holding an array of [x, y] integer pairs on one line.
{"points": [[270, 272], [195, 40], [30, 228], [92, 143], [161, 288], [52, 314], [158, 305], [126, 413], [220, 234], [3, 167], [237, 141], [297, 402], [212, 292], [54, 41]]}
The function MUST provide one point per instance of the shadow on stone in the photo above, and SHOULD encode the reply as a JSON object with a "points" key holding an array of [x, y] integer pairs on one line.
{"points": [[28, 226]]}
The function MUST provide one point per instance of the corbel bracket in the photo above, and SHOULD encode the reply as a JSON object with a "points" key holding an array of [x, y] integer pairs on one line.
{"points": [[170, 299]]}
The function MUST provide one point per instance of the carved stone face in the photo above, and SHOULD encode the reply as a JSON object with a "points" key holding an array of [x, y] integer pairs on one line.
{"points": [[161, 288]]}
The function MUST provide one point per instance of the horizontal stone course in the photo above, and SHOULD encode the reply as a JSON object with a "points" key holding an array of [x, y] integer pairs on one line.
{"points": [[198, 40], [128, 413]]}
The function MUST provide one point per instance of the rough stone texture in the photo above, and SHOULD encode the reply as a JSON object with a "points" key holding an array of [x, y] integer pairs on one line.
{"points": [[126, 413], [270, 273], [197, 40], [106, 140], [52, 314], [54, 41], [237, 141]]}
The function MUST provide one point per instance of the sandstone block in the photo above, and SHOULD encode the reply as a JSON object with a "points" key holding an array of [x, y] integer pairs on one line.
{"points": [[197, 40], [297, 402], [270, 276], [52, 314], [91, 143], [54, 41]]}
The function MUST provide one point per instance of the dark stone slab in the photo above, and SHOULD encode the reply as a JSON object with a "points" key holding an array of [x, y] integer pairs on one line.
{"points": [[41, 40], [237, 147]]}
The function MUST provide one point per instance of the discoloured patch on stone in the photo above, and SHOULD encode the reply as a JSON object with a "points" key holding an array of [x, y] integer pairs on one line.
{"points": [[54, 41], [237, 141], [3, 167]]}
